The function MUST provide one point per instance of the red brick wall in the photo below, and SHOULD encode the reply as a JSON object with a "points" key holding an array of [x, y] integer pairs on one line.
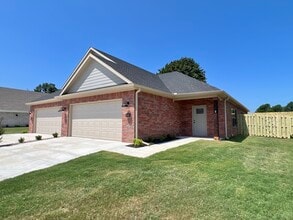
{"points": [[127, 123], [157, 116], [232, 131], [186, 115], [161, 116], [32, 113]]}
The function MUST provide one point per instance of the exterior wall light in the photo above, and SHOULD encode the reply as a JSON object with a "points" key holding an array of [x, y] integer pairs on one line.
{"points": [[125, 104], [62, 109]]}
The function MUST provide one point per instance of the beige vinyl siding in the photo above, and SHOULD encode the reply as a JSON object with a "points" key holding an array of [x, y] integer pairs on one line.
{"points": [[102, 120], [48, 120], [94, 76]]}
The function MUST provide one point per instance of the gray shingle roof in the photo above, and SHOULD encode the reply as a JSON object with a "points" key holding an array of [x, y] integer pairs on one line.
{"points": [[47, 96], [15, 99], [135, 74], [173, 82], [178, 82]]}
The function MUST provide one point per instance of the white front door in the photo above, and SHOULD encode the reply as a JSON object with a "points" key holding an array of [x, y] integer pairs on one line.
{"points": [[199, 120]]}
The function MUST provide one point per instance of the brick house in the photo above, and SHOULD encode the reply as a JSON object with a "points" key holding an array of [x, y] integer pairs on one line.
{"points": [[108, 98]]}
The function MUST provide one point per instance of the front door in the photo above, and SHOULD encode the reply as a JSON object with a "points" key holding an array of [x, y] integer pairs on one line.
{"points": [[199, 120]]}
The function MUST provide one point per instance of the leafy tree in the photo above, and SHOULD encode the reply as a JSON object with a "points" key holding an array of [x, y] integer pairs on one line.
{"points": [[277, 108], [187, 66], [264, 108], [46, 88], [289, 107]]}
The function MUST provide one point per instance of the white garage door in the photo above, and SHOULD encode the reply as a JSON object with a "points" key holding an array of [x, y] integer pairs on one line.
{"points": [[48, 121], [101, 120]]}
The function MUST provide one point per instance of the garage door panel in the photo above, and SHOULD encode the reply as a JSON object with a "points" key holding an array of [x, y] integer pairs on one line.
{"points": [[48, 120], [97, 120]]}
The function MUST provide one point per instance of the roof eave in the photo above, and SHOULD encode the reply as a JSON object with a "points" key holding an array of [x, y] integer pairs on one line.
{"points": [[51, 100], [230, 98], [100, 91], [196, 95], [208, 94], [13, 111], [153, 91]]}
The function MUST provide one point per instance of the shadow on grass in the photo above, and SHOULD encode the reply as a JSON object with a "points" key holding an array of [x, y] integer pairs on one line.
{"points": [[238, 138]]}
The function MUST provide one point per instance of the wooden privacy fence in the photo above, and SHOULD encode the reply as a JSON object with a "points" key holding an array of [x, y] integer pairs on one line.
{"points": [[273, 124]]}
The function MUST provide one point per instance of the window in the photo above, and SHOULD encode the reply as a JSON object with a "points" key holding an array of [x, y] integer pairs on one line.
{"points": [[199, 111], [234, 117]]}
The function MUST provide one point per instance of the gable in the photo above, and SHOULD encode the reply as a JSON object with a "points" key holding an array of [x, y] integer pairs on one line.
{"points": [[93, 75]]}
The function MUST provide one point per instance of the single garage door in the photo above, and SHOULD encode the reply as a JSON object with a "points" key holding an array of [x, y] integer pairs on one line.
{"points": [[48, 120], [101, 120]]}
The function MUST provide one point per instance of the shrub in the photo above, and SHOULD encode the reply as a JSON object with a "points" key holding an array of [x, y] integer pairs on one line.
{"points": [[39, 137], [170, 137], [55, 135], [137, 142], [21, 140], [24, 132], [291, 136]]}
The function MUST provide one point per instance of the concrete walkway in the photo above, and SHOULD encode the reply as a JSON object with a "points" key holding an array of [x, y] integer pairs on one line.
{"points": [[18, 159], [12, 139]]}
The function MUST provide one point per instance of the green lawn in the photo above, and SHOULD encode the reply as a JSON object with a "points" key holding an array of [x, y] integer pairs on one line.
{"points": [[244, 179], [16, 130]]}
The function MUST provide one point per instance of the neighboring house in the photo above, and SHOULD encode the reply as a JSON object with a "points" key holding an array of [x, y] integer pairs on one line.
{"points": [[108, 98], [13, 110]]}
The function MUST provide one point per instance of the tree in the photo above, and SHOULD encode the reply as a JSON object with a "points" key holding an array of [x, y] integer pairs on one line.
{"points": [[264, 108], [46, 88], [289, 107], [277, 108], [186, 66]]}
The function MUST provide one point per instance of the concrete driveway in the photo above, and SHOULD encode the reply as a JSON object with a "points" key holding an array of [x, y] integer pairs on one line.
{"points": [[18, 159], [23, 158]]}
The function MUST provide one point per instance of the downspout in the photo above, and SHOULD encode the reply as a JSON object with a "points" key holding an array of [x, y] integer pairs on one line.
{"points": [[225, 109], [136, 112]]}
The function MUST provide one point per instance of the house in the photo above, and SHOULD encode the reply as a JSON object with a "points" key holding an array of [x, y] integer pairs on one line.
{"points": [[108, 98], [13, 110]]}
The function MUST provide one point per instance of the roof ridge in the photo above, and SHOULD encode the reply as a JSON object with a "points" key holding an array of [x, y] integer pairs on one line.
{"points": [[109, 57], [133, 73]]}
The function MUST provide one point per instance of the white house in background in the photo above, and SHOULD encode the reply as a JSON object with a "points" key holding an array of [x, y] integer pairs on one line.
{"points": [[13, 110]]}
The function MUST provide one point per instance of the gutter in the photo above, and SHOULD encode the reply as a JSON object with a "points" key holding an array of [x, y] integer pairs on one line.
{"points": [[100, 91], [136, 112]]}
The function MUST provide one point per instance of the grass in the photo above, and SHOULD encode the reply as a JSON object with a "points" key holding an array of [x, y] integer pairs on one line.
{"points": [[240, 179], [16, 130]]}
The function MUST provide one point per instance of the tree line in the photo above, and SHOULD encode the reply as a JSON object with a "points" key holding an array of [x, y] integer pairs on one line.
{"points": [[276, 108]]}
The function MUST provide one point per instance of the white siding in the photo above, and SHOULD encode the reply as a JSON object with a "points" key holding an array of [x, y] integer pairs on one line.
{"points": [[94, 76], [14, 119], [97, 120]]}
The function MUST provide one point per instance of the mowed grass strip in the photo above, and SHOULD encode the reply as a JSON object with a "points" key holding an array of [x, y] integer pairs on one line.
{"points": [[16, 130], [239, 179]]}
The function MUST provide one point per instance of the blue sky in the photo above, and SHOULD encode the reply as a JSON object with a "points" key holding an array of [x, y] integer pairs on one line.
{"points": [[245, 46]]}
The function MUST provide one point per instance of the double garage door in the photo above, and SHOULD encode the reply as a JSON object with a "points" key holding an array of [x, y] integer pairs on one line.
{"points": [[102, 120]]}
